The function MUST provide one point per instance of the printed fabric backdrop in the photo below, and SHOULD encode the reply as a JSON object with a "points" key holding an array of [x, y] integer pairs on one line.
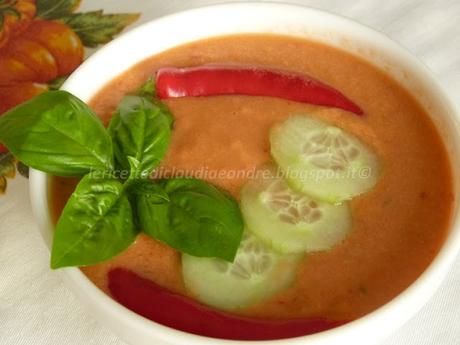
{"points": [[43, 41]]}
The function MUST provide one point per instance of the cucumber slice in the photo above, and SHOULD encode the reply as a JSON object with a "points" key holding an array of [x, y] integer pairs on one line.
{"points": [[291, 221], [322, 160], [256, 274]]}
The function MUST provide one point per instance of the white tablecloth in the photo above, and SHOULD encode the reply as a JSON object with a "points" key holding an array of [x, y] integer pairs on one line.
{"points": [[36, 308]]}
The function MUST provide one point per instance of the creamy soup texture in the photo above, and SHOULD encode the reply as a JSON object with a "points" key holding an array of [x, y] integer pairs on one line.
{"points": [[398, 227]]}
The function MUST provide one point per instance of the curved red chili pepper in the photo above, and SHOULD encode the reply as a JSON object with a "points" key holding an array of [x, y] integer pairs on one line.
{"points": [[3, 149], [251, 81], [160, 305]]}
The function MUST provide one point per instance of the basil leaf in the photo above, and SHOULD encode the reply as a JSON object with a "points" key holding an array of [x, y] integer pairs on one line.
{"points": [[148, 89], [199, 219], [141, 132], [95, 225], [133, 103], [57, 133]]}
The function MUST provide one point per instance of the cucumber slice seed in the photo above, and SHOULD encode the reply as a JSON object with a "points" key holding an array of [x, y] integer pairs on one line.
{"points": [[290, 221], [322, 160], [291, 207], [257, 273], [330, 149]]}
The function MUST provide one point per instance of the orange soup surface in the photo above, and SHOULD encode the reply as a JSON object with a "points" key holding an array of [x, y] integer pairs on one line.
{"points": [[398, 227]]}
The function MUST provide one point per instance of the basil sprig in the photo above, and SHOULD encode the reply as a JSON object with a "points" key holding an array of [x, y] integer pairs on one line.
{"points": [[57, 133]]}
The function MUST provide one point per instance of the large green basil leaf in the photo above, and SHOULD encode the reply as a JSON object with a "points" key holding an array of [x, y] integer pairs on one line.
{"points": [[95, 225], [198, 219], [57, 133], [141, 132]]}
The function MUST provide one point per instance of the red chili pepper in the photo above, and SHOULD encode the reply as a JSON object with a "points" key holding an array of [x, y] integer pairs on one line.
{"points": [[160, 305], [3, 149], [250, 81]]}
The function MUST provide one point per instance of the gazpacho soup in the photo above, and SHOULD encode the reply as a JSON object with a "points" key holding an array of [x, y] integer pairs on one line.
{"points": [[249, 187]]}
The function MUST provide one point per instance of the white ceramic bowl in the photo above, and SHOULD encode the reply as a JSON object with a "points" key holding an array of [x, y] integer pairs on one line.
{"points": [[167, 32]]}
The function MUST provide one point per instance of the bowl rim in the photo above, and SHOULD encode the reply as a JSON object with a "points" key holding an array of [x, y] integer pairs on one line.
{"points": [[407, 300]]}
